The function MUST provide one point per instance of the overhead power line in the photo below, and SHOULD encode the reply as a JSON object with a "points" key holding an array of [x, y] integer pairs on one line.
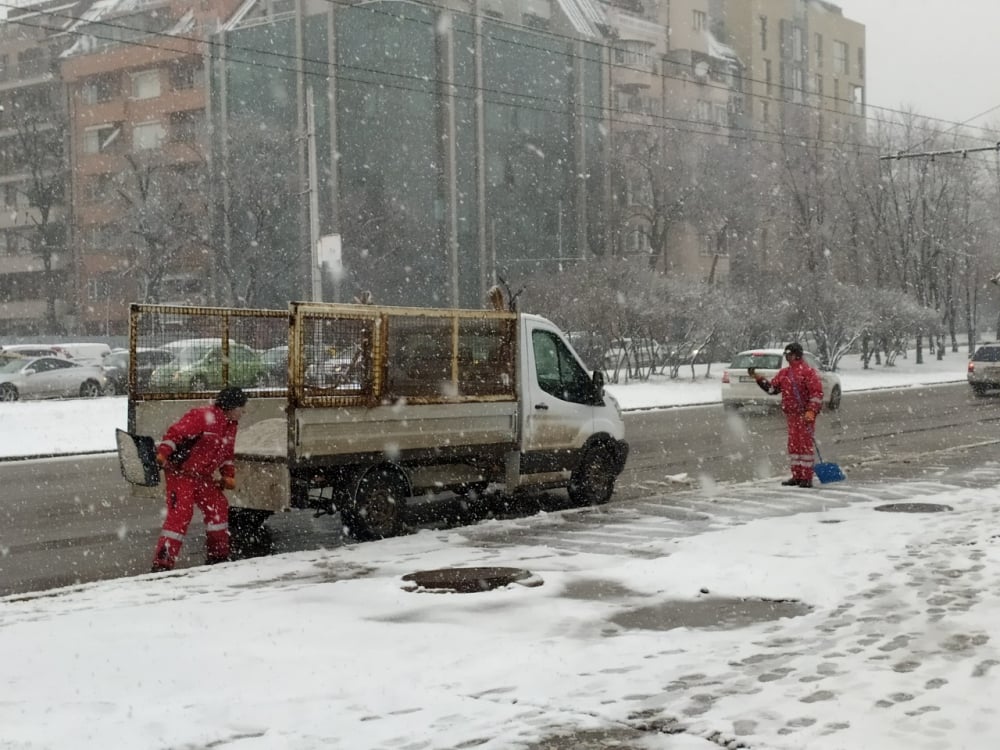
{"points": [[963, 152], [748, 133]]}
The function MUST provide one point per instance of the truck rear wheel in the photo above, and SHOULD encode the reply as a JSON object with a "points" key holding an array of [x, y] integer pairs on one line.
{"points": [[593, 480], [377, 506], [248, 536]]}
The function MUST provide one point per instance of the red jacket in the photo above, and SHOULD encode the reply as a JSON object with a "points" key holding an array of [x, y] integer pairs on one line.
{"points": [[211, 452], [800, 387]]}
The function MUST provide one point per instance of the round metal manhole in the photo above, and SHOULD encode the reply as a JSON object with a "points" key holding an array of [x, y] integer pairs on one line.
{"points": [[468, 580], [914, 508]]}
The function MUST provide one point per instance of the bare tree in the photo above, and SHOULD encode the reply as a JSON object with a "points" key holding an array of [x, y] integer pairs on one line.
{"points": [[164, 220], [39, 138], [258, 204]]}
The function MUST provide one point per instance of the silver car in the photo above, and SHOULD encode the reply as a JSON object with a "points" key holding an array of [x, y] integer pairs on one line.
{"points": [[50, 377]]}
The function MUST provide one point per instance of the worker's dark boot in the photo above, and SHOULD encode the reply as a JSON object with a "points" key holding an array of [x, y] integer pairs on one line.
{"points": [[793, 482], [806, 483]]}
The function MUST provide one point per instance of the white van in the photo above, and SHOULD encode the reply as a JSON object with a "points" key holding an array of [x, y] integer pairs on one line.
{"points": [[33, 350], [84, 354]]}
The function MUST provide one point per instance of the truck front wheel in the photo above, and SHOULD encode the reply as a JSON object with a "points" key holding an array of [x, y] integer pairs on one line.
{"points": [[593, 480], [376, 510]]}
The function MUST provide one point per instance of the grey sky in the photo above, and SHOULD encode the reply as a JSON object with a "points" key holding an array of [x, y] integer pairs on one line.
{"points": [[938, 57]]}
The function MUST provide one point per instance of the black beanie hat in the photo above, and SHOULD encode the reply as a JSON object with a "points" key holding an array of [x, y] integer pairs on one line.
{"points": [[231, 398], [794, 348]]}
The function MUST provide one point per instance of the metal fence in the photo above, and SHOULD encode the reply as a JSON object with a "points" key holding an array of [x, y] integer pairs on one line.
{"points": [[324, 354]]}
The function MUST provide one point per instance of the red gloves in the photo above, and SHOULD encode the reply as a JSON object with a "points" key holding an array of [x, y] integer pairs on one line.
{"points": [[227, 483], [161, 460], [810, 416]]}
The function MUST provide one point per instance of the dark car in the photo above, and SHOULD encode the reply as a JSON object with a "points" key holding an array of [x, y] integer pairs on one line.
{"points": [[984, 369], [115, 367]]}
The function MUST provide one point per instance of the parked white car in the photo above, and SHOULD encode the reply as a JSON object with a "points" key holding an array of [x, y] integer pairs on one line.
{"points": [[50, 377], [739, 389]]}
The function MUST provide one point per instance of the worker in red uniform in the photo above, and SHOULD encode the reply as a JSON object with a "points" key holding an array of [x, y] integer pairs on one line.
{"points": [[196, 454], [801, 400]]}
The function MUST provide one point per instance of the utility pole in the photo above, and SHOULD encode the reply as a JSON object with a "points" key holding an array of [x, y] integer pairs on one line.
{"points": [[315, 277]]}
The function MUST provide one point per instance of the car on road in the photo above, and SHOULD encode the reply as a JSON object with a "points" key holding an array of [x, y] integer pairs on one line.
{"points": [[984, 369], [116, 366], [197, 366], [49, 377], [333, 370], [739, 389]]}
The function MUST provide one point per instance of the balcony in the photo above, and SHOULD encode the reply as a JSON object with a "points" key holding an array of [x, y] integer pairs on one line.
{"points": [[14, 264], [30, 309]]}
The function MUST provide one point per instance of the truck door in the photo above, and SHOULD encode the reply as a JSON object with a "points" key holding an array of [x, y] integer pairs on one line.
{"points": [[558, 401]]}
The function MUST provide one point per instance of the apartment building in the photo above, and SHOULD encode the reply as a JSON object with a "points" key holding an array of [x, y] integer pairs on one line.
{"points": [[137, 97], [36, 277], [675, 87], [805, 65]]}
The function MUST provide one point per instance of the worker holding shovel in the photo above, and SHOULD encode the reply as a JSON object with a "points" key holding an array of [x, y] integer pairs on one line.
{"points": [[801, 400]]}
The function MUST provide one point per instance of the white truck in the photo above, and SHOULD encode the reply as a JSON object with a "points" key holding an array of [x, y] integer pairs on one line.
{"points": [[379, 404]]}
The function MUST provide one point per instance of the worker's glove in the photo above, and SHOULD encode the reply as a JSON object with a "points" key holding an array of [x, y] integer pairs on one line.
{"points": [[810, 416], [227, 483], [161, 460]]}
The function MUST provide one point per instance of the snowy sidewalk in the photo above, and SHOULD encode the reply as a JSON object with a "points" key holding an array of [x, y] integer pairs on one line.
{"points": [[890, 649]]}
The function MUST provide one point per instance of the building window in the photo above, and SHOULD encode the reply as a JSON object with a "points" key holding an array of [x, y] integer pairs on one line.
{"points": [[840, 57], [3, 67], [699, 20], [32, 62], [99, 189], [768, 76], [765, 111], [637, 242], [99, 287], [146, 85], [704, 111], [798, 85], [101, 138], [818, 85], [10, 195], [861, 62], [818, 44], [186, 76], [634, 53], [763, 32], [187, 127], [798, 44], [857, 94], [97, 90], [147, 136]]}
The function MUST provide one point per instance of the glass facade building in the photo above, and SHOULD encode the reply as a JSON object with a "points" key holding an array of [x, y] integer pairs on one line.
{"points": [[450, 148]]}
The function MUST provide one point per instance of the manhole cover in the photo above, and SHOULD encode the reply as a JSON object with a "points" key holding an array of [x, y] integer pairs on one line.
{"points": [[719, 613], [469, 580], [914, 508]]}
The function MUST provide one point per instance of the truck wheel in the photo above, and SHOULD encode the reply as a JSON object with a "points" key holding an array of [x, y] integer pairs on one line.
{"points": [[593, 480], [248, 536], [377, 508]]}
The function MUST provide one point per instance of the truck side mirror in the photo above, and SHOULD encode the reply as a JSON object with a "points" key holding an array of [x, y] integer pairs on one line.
{"points": [[598, 385]]}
